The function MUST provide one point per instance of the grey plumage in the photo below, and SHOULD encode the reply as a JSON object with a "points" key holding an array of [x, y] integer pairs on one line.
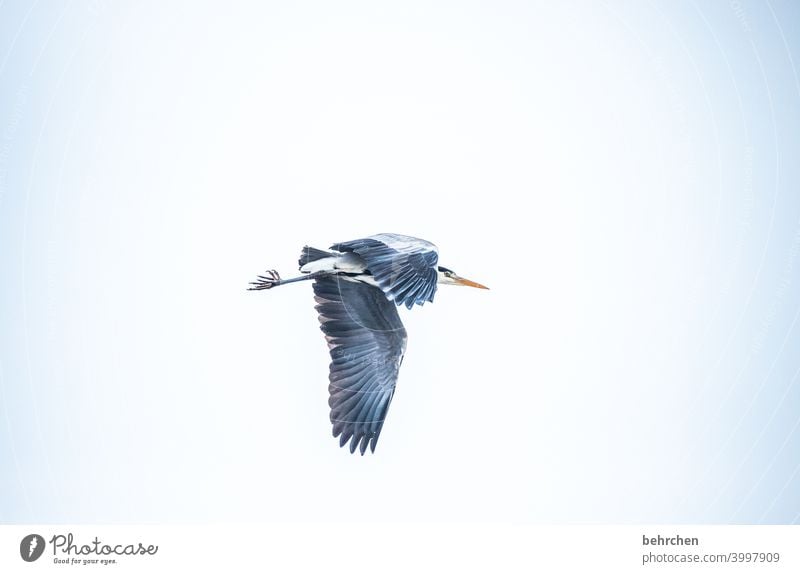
{"points": [[366, 341], [404, 267], [310, 254]]}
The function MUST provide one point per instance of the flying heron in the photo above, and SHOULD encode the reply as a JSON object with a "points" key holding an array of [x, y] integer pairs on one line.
{"points": [[356, 286]]}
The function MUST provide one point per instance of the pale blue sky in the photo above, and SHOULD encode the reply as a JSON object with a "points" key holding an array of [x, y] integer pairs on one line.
{"points": [[622, 175]]}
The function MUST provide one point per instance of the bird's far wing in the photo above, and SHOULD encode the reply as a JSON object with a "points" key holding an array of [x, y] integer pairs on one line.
{"points": [[366, 341], [404, 267]]}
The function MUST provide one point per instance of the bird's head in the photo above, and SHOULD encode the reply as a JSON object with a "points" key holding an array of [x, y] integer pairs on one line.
{"points": [[448, 277]]}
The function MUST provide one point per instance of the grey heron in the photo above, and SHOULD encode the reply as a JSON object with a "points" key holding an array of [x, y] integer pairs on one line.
{"points": [[357, 286]]}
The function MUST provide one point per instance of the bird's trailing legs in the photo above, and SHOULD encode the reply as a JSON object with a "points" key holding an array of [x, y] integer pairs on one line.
{"points": [[271, 279]]}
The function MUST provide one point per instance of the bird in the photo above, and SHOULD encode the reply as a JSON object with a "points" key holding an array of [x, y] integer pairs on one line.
{"points": [[358, 286]]}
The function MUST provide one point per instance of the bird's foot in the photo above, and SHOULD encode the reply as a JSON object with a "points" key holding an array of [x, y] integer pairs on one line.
{"points": [[270, 279]]}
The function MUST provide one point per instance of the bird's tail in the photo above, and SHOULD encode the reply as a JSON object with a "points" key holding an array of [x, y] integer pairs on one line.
{"points": [[310, 254]]}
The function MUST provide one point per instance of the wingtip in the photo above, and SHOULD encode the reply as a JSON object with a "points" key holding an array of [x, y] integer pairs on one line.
{"points": [[353, 443]]}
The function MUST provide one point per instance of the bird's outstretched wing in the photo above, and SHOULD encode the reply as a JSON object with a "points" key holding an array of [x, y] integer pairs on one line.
{"points": [[403, 266], [366, 341]]}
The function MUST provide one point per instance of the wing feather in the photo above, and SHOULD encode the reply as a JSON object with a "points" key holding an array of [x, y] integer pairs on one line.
{"points": [[404, 267], [366, 340]]}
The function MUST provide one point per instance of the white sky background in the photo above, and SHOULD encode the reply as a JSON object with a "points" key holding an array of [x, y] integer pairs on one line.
{"points": [[233, 139], [568, 156]]}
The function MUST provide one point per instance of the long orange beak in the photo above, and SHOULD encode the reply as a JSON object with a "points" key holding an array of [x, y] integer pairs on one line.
{"points": [[468, 283]]}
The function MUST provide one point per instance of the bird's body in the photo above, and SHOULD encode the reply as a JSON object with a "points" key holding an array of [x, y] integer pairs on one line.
{"points": [[357, 286]]}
